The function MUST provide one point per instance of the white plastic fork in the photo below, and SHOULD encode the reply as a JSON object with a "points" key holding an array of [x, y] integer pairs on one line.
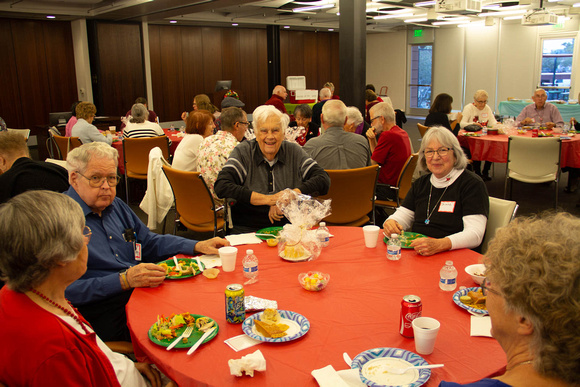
{"points": [[186, 333], [401, 371], [177, 266]]}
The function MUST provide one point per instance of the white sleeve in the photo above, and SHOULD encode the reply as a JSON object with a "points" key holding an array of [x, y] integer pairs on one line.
{"points": [[472, 234], [404, 217], [492, 121], [467, 117]]}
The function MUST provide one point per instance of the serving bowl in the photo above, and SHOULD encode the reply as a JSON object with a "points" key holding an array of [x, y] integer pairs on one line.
{"points": [[313, 281], [474, 271]]}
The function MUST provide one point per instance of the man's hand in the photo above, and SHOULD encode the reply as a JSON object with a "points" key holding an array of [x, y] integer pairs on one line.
{"points": [[527, 121], [371, 134], [210, 246], [150, 373], [184, 116], [145, 275], [550, 125], [275, 214]]}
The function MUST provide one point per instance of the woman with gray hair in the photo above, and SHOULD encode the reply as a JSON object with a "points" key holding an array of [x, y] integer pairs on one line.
{"points": [[43, 250], [84, 128], [138, 126], [450, 204], [303, 118], [354, 119], [533, 286]]}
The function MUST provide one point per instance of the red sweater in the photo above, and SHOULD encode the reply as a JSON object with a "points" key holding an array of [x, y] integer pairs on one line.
{"points": [[52, 353], [277, 102]]}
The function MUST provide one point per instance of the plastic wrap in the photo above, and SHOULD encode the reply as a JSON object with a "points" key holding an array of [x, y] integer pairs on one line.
{"points": [[255, 303], [292, 133]]}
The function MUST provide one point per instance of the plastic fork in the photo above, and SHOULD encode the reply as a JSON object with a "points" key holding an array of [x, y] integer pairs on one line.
{"points": [[186, 333], [177, 266], [401, 371]]}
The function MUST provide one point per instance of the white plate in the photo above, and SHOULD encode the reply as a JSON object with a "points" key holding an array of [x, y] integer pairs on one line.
{"points": [[372, 366], [304, 257], [464, 292], [298, 327]]}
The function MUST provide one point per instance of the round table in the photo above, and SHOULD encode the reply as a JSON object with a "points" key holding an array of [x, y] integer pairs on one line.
{"points": [[358, 310]]}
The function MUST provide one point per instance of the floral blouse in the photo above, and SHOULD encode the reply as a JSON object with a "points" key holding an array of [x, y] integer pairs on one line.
{"points": [[213, 154]]}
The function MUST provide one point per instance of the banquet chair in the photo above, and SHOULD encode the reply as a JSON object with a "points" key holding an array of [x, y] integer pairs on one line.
{"points": [[24, 132], [194, 204], [533, 160], [136, 157], [65, 144], [353, 195], [403, 186], [422, 129], [501, 213]]}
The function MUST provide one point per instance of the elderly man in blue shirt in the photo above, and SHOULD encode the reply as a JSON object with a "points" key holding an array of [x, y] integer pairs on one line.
{"points": [[122, 248]]}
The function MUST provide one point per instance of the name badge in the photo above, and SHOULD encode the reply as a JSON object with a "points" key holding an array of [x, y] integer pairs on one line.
{"points": [[447, 207], [137, 247]]}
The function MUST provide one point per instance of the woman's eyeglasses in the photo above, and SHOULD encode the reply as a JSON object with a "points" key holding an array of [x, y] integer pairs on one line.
{"points": [[442, 152]]}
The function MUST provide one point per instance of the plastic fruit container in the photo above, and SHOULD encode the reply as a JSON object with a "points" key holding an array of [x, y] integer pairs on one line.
{"points": [[313, 281]]}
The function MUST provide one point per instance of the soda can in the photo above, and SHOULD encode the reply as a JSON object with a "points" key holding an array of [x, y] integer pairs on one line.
{"points": [[411, 308], [534, 132], [235, 309]]}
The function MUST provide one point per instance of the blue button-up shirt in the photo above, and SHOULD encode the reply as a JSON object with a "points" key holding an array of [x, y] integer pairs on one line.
{"points": [[109, 253]]}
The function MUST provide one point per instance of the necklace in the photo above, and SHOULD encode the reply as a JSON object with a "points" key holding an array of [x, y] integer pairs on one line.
{"points": [[429, 202], [519, 364], [65, 310]]}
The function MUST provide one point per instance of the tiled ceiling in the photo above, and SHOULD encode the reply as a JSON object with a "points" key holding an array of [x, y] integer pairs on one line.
{"points": [[250, 13]]}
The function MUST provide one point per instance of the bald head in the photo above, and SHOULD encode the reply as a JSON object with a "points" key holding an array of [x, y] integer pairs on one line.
{"points": [[280, 91]]}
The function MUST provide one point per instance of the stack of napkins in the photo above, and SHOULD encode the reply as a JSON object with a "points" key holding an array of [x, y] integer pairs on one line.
{"points": [[248, 364], [329, 377], [481, 326], [243, 239]]}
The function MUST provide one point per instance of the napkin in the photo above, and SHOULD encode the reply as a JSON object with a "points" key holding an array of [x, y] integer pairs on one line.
{"points": [[210, 260], [481, 326], [248, 364], [328, 377], [238, 343], [243, 239]]}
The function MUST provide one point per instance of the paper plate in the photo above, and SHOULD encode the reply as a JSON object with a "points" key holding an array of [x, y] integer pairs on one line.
{"points": [[298, 327], [464, 292]]}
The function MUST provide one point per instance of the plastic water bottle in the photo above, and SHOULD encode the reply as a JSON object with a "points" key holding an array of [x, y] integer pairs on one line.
{"points": [[448, 277], [172, 128], [323, 234], [250, 264], [394, 248], [484, 129]]}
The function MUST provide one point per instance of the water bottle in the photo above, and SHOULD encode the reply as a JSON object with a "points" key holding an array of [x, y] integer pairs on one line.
{"points": [[250, 264], [394, 248], [448, 277], [172, 128], [484, 129], [323, 234]]}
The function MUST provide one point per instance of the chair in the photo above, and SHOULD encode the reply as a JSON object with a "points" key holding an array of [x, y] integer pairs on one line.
{"points": [[136, 157], [194, 204], [422, 129], [64, 144], [501, 212], [533, 160], [353, 195], [404, 183], [24, 132]]}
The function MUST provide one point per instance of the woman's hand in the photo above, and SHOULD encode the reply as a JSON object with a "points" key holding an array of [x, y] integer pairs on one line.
{"points": [[431, 246], [391, 226], [150, 373]]}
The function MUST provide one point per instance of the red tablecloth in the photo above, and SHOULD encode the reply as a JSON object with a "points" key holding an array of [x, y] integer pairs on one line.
{"points": [[172, 134], [494, 148], [358, 310]]}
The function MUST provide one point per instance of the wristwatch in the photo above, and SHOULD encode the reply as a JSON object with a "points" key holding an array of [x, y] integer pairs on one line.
{"points": [[124, 280]]}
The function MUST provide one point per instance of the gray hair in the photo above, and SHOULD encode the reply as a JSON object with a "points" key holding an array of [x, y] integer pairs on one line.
{"points": [[262, 113], [325, 93], [334, 113], [353, 115], [447, 139], [39, 230], [139, 113], [78, 159], [384, 109], [480, 93], [304, 110]]}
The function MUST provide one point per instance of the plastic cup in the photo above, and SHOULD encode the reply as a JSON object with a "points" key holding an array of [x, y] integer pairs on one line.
{"points": [[425, 330], [371, 234], [228, 256], [112, 129]]}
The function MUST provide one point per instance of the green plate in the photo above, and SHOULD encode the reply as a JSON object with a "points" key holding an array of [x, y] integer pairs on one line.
{"points": [[195, 335], [274, 231], [406, 238], [188, 261]]}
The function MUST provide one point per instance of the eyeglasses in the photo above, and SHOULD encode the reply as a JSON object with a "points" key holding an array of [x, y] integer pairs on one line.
{"points": [[485, 288], [442, 152], [481, 101], [97, 181], [87, 234], [243, 123], [372, 119]]}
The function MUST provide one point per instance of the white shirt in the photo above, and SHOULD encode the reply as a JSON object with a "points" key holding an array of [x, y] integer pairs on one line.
{"points": [[185, 157]]}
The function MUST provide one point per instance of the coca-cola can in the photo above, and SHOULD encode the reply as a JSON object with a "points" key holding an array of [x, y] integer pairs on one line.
{"points": [[411, 308]]}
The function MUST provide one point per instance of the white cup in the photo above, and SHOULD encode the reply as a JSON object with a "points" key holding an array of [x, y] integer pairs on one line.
{"points": [[425, 330], [371, 234], [228, 256], [112, 129]]}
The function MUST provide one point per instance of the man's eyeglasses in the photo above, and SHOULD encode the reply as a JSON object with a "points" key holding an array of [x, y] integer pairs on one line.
{"points": [[97, 181], [243, 123], [87, 234], [372, 119], [442, 152], [485, 288]]}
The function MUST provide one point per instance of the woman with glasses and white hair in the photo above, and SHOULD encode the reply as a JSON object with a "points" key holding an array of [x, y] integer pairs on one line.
{"points": [[43, 250], [479, 113], [450, 204], [532, 287]]}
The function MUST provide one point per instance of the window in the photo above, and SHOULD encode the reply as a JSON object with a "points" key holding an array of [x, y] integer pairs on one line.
{"points": [[421, 75], [556, 70]]}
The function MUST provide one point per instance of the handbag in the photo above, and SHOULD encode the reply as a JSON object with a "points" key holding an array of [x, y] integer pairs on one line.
{"points": [[472, 128]]}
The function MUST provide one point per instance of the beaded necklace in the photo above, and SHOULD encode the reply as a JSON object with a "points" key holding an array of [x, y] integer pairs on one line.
{"points": [[429, 202], [65, 310], [519, 364]]}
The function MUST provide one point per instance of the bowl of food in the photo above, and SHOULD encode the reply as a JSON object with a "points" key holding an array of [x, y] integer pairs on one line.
{"points": [[477, 272], [313, 281]]}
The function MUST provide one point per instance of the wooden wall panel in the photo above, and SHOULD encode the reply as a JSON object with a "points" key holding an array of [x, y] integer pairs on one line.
{"points": [[212, 60], [10, 109], [121, 78], [192, 51], [159, 103]]}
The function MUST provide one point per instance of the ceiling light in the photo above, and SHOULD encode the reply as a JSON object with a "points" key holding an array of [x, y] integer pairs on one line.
{"points": [[286, 26], [503, 13], [331, 29], [425, 3], [393, 16], [448, 22], [50, 17], [416, 20], [312, 8], [172, 21], [491, 6], [576, 5], [235, 24]]}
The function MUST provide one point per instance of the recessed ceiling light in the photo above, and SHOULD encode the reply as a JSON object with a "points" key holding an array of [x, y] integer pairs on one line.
{"points": [[235, 24], [286, 26], [331, 29], [172, 21], [50, 17]]}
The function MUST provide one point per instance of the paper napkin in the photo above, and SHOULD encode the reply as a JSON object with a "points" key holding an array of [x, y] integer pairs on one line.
{"points": [[248, 364], [238, 343], [481, 326], [328, 377], [243, 239], [210, 260]]}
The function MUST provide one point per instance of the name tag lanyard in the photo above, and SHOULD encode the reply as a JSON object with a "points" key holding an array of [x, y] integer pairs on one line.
{"points": [[436, 204]]}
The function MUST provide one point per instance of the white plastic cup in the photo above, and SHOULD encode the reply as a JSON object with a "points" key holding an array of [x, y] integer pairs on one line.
{"points": [[425, 330], [112, 129], [371, 234], [228, 256]]}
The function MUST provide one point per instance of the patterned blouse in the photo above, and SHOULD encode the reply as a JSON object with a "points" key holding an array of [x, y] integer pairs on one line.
{"points": [[213, 154]]}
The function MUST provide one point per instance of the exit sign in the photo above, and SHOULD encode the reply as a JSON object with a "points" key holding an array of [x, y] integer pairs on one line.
{"points": [[418, 33]]}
